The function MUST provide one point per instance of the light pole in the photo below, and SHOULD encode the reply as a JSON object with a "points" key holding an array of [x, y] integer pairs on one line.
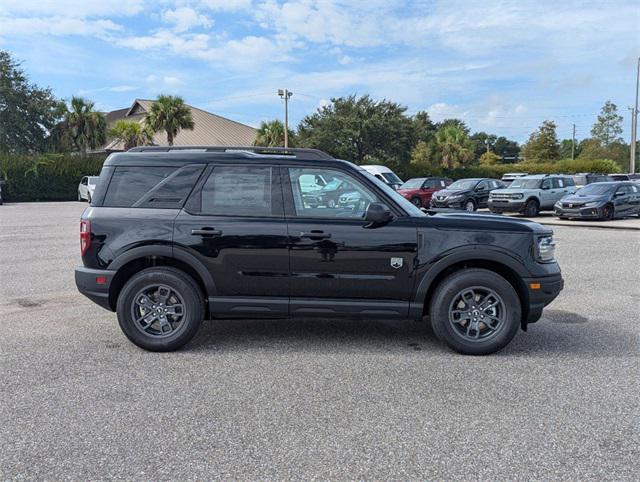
{"points": [[286, 95], [634, 125]]}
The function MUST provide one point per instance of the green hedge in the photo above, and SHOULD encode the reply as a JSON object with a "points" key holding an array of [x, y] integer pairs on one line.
{"points": [[47, 177], [565, 166]]}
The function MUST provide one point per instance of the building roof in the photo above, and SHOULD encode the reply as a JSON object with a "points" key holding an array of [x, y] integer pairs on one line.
{"points": [[209, 129]]}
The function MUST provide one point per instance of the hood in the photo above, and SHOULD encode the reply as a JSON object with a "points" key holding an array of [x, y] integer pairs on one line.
{"points": [[507, 190], [408, 191], [577, 198], [481, 222], [454, 192]]}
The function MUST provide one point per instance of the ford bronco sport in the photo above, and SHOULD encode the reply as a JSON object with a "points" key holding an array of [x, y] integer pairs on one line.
{"points": [[175, 236], [529, 195]]}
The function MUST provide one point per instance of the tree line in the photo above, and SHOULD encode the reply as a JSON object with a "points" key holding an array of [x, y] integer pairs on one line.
{"points": [[364, 130], [357, 128]]}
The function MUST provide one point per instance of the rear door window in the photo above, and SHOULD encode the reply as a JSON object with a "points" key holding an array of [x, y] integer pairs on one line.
{"points": [[240, 191]]}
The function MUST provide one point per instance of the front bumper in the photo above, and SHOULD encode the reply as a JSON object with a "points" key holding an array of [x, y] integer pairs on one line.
{"points": [[542, 291], [506, 205], [94, 284], [584, 213], [457, 204]]}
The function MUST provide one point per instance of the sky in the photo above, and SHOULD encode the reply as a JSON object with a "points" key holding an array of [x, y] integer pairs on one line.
{"points": [[502, 66]]}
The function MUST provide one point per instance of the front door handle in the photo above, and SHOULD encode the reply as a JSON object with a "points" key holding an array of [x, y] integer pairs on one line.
{"points": [[206, 232], [315, 235]]}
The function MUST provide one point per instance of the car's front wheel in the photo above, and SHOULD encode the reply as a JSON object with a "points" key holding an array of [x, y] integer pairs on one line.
{"points": [[532, 208], [160, 309], [475, 311], [469, 206], [416, 202], [607, 213]]}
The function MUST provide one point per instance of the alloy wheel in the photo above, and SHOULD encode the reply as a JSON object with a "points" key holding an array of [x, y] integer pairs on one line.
{"points": [[158, 311], [477, 313]]}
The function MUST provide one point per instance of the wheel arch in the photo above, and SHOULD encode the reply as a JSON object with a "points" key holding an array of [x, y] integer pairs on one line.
{"points": [[137, 259], [502, 264]]}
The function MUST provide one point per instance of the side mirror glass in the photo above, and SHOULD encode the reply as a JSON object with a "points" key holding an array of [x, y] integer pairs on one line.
{"points": [[618, 194], [378, 214]]}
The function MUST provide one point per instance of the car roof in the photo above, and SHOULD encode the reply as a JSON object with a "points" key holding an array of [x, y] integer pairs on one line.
{"points": [[177, 156]]}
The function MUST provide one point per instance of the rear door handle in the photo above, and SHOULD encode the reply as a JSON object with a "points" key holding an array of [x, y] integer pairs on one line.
{"points": [[206, 232], [315, 235]]}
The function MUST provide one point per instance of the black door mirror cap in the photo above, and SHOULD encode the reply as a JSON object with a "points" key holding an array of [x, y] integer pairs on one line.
{"points": [[377, 214]]}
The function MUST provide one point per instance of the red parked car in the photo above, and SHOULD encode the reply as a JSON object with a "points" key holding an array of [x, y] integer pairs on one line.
{"points": [[420, 189]]}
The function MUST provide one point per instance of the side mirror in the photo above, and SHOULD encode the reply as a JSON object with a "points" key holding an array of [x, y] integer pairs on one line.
{"points": [[378, 214], [619, 194], [481, 188], [546, 187]]}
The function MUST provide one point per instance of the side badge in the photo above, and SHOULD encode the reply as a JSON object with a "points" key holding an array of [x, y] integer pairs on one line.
{"points": [[396, 263]]}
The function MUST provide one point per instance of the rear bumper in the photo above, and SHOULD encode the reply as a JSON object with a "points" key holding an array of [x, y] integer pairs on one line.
{"points": [[94, 284], [550, 288]]}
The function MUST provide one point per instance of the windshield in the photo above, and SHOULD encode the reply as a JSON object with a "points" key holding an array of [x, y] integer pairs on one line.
{"points": [[462, 185], [398, 199], [595, 189], [525, 184], [413, 183], [391, 178], [93, 180]]}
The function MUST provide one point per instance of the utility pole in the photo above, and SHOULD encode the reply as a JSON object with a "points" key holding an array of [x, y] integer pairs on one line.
{"points": [[634, 125], [573, 143], [286, 95]]}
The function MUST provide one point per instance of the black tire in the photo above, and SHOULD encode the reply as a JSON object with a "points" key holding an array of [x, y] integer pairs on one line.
{"points": [[79, 196], [443, 309], [186, 290], [608, 212], [531, 208], [469, 205], [89, 198], [416, 201]]}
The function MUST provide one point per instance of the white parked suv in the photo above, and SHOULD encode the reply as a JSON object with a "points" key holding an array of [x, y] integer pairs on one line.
{"points": [[529, 195], [86, 187]]}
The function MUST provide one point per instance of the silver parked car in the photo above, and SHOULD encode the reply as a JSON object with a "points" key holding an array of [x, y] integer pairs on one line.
{"points": [[86, 187]]}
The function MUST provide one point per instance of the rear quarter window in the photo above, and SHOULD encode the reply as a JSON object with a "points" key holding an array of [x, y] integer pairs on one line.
{"points": [[151, 186]]}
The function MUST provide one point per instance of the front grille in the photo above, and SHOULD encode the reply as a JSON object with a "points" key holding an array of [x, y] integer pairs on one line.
{"points": [[572, 205], [500, 196]]}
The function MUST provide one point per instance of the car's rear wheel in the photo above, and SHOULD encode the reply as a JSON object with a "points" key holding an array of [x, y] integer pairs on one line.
{"points": [[470, 206], [607, 212], [475, 312], [160, 309], [532, 208], [416, 201]]}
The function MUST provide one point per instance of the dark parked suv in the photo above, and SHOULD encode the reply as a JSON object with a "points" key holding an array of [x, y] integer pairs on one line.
{"points": [[467, 194], [174, 236]]}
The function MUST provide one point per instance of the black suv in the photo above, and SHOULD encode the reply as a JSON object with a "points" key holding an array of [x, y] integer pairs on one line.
{"points": [[467, 194], [176, 235]]}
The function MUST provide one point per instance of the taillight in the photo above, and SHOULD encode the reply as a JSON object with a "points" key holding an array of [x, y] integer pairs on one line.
{"points": [[85, 236]]}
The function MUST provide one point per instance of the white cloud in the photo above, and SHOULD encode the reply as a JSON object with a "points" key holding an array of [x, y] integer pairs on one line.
{"points": [[71, 8], [172, 80], [344, 60], [186, 18], [56, 26], [229, 5]]}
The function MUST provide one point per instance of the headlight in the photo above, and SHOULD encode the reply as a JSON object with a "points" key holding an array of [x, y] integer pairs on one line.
{"points": [[592, 204], [517, 196], [546, 249], [454, 198], [558, 204]]}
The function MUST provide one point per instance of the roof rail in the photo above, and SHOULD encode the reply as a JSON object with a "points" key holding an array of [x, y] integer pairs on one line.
{"points": [[280, 151]]}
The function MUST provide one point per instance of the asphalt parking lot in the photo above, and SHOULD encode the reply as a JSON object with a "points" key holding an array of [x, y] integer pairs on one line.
{"points": [[314, 399]]}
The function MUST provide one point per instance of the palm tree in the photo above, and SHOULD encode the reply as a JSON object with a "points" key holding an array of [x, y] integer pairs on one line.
{"points": [[131, 134], [169, 114], [453, 146], [88, 127], [271, 134]]}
